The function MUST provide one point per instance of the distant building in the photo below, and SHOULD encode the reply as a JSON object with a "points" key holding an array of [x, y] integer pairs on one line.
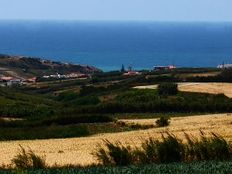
{"points": [[132, 73], [224, 66], [14, 82], [31, 80], [6, 78], [169, 67]]}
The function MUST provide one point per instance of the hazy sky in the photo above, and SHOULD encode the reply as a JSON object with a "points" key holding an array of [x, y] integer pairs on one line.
{"points": [[157, 10]]}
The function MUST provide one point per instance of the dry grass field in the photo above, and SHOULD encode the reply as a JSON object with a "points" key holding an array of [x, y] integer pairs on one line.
{"points": [[199, 74], [213, 88], [78, 150]]}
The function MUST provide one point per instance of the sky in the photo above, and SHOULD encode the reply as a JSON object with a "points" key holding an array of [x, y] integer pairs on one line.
{"points": [[151, 10]]}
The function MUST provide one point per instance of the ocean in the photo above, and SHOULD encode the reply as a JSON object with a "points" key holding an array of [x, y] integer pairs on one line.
{"points": [[107, 45]]}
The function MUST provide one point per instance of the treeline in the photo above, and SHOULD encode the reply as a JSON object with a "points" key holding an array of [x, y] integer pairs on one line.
{"points": [[173, 76], [136, 102], [224, 76], [20, 110]]}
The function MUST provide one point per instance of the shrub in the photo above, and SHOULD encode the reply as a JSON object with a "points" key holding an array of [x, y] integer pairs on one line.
{"points": [[167, 89], [163, 121], [115, 154], [207, 148], [135, 125], [28, 159], [169, 150]]}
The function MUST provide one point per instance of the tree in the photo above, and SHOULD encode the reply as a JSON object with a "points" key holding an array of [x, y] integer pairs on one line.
{"points": [[167, 89], [123, 68]]}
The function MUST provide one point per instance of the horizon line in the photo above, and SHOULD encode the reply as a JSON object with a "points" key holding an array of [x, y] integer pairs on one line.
{"points": [[119, 20]]}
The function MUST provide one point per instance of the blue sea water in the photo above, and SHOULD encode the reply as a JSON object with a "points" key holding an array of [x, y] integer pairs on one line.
{"points": [[108, 45]]}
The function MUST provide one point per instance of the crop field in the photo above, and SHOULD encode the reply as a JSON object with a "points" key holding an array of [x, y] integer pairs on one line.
{"points": [[78, 151], [181, 168], [212, 88]]}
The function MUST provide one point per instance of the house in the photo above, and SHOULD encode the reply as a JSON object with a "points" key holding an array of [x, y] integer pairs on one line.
{"points": [[31, 80], [159, 68], [10, 81], [132, 73], [6, 78], [224, 66], [14, 82]]}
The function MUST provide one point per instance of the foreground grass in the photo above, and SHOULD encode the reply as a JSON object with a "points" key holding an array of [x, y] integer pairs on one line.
{"points": [[208, 167]]}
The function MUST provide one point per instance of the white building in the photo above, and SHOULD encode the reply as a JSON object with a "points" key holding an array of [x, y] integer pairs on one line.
{"points": [[224, 66]]}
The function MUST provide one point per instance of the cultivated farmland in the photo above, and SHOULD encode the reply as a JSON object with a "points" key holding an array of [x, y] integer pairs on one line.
{"points": [[212, 88], [78, 150]]}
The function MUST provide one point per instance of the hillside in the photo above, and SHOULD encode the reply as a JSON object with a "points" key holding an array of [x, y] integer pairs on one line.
{"points": [[24, 67]]}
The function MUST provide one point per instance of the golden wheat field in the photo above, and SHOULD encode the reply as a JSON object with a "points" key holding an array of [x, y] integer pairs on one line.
{"points": [[78, 150], [213, 88]]}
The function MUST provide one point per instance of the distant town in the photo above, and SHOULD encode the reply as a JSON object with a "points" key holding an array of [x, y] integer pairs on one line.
{"points": [[46, 70]]}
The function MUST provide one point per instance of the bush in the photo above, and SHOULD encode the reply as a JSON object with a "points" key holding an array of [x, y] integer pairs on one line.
{"points": [[135, 126], [115, 154], [167, 89], [163, 121], [169, 150], [207, 148], [28, 159]]}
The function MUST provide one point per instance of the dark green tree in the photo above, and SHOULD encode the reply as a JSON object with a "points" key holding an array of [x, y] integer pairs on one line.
{"points": [[123, 68], [167, 89]]}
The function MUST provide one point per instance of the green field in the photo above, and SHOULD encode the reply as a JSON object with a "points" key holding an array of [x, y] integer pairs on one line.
{"points": [[209, 167]]}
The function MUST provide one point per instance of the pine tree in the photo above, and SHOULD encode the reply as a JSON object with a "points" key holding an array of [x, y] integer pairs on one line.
{"points": [[123, 68]]}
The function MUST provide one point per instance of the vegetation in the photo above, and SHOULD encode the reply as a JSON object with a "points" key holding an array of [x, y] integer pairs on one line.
{"points": [[74, 108], [162, 121], [144, 101], [116, 154], [43, 132], [31, 66], [28, 159], [180, 168], [167, 89], [170, 149], [63, 127], [73, 111]]}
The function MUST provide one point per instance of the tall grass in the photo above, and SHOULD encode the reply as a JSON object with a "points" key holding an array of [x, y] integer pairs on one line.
{"points": [[115, 154], [207, 148], [169, 149], [28, 159]]}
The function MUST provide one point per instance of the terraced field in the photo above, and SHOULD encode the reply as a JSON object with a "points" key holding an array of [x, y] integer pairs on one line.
{"points": [[79, 150]]}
